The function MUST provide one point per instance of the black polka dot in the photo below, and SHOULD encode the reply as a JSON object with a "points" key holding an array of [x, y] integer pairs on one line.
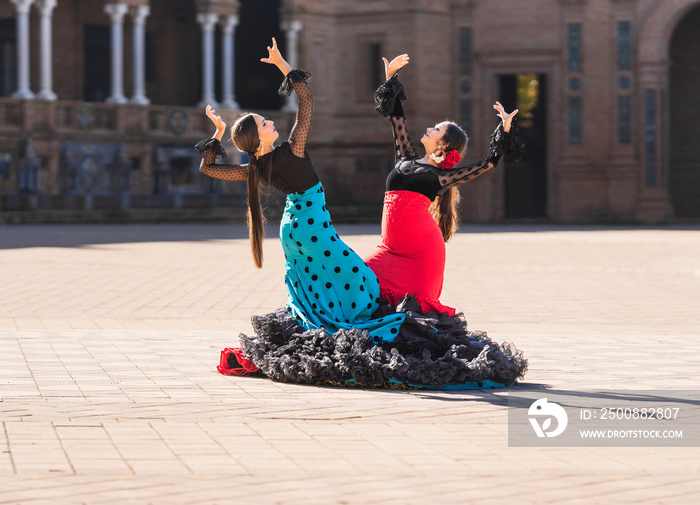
{"points": [[295, 262], [394, 330], [298, 243], [347, 287], [313, 305], [314, 277], [400, 127], [298, 207], [327, 253], [346, 253], [310, 259], [295, 225], [314, 239], [311, 221], [325, 225], [309, 204], [362, 288], [460, 172], [333, 239], [317, 296], [328, 285], [306, 270], [311, 289], [444, 181], [369, 305], [403, 138], [354, 305], [290, 236], [322, 312], [337, 270], [355, 270], [296, 284], [331, 305], [347, 320], [324, 207]]}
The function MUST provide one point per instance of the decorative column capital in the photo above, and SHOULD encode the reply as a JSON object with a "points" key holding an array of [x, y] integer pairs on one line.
{"points": [[229, 24], [139, 13], [22, 6], [208, 21], [116, 12], [292, 27], [46, 7]]}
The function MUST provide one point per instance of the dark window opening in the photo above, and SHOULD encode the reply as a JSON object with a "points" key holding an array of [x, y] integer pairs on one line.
{"points": [[96, 62]]}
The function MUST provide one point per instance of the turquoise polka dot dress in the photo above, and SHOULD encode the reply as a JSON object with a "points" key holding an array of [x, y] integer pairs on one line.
{"points": [[328, 284]]}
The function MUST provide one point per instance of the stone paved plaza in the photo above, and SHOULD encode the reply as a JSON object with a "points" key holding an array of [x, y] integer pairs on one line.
{"points": [[110, 335]]}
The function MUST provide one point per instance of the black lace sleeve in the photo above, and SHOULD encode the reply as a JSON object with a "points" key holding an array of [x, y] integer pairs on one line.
{"points": [[299, 79], [211, 149], [389, 97], [503, 144]]}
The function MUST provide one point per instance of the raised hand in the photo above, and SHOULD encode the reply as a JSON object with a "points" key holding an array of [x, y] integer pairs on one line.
{"points": [[505, 117], [396, 64], [218, 122], [275, 58]]}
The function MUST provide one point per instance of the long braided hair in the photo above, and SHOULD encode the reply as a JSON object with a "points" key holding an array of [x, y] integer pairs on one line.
{"points": [[244, 134], [445, 207]]}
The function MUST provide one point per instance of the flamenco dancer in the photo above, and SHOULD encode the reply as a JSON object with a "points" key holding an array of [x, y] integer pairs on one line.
{"points": [[328, 285], [421, 198], [335, 329]]}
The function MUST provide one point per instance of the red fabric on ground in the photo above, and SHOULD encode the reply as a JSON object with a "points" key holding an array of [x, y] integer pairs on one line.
{"points": [[411, 257], [246, 366]]}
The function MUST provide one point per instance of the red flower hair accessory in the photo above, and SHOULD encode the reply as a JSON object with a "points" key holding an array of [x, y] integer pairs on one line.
{"points": [[235, 362], [451, 159]]}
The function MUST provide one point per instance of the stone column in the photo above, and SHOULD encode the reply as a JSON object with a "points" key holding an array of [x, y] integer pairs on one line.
{"points": [[116, 12], [229, 57], [292, 28], [140, 13], [208, 22], [23, 88], [46, 59]]}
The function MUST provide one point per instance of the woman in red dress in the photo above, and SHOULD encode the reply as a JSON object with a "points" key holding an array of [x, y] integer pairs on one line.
{"points": [[420, 213]]}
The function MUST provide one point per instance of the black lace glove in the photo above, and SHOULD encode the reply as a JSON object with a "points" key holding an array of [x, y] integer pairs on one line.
{"points": [[388, 98], [296, 75], [211, 144], [507, 144]]}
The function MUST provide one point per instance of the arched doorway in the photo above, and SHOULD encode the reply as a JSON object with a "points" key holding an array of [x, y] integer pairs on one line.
{"points": [[684, 142]]}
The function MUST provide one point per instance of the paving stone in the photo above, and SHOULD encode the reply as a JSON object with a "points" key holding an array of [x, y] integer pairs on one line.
{"points": [[109, 394]]}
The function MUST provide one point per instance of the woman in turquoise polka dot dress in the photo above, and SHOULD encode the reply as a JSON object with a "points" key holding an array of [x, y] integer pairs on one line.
{"points": [[329, 286]]}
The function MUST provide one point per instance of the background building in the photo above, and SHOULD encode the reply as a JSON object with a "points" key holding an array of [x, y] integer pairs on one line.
{"points": [[102, 100]]}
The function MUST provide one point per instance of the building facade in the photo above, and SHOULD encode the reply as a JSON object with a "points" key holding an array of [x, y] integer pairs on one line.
{"points": [[102, 99]]}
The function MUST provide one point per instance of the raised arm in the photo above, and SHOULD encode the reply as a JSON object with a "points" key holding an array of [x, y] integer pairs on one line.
{"points": [[297, 79], [389, 97], [505, 142], [211, 148]]}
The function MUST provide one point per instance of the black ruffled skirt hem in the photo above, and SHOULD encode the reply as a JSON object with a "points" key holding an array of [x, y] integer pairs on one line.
{"points": [[432, 351]]}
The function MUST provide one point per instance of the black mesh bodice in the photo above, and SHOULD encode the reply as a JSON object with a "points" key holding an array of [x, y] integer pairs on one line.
{"points": [[428, 180], [287, 168]]}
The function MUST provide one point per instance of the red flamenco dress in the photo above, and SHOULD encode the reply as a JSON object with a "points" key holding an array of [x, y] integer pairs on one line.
{"points": [[411, 258]]}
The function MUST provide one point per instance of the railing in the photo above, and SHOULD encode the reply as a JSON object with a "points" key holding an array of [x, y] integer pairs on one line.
{"points": [[10, 113], [152, 121]]}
